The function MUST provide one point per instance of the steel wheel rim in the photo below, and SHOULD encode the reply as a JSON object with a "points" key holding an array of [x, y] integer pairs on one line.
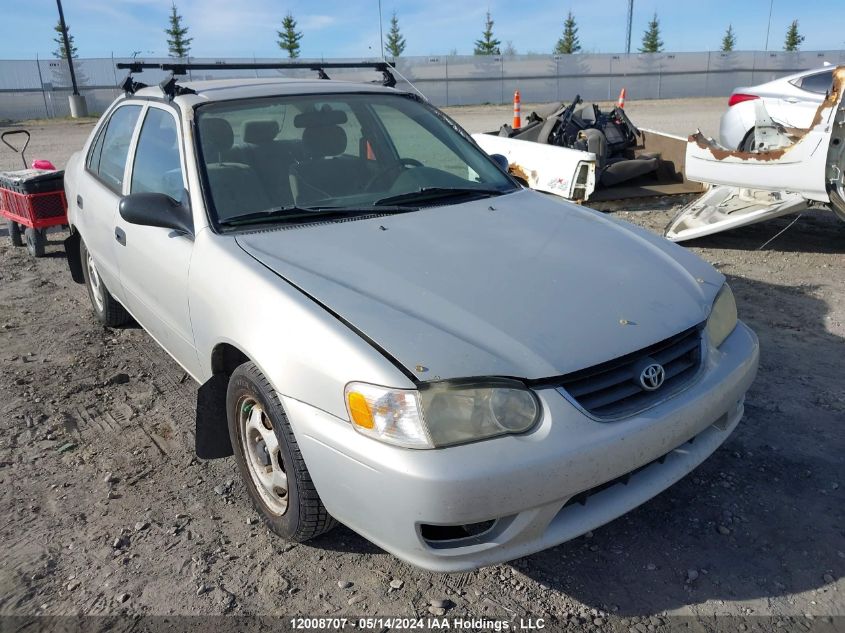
{"points": [[95, 283], [263, 455]]}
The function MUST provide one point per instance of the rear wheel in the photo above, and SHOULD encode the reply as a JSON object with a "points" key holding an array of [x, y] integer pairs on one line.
{"points": [[747, 144], [36, 240], [108, 311], [269, 459], [837, 200], [14, 233]]}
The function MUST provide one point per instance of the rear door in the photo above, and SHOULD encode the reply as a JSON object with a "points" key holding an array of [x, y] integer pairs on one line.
{"points": [[799, 107], [154, 262], [100, 188]]}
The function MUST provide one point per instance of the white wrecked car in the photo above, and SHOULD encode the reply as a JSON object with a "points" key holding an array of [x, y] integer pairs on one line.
{"points": [[789, 170]]}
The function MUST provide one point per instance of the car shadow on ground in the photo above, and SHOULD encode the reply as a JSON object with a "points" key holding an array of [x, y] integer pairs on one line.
{"points": [[817, 232]]}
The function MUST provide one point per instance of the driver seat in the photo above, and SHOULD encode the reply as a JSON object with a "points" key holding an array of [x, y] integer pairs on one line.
{"points": [[327, 172]]}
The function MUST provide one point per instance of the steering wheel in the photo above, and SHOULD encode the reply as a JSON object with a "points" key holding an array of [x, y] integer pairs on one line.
{"points": [[382, 174]]}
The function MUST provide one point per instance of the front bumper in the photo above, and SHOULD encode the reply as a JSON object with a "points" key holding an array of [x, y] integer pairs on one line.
{"points": [[522, 482]]}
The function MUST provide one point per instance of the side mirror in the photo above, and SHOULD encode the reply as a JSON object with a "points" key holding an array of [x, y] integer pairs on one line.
{"points": [[501, 161], [158, 209]]}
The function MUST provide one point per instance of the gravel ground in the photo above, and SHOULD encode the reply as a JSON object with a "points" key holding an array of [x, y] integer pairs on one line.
{"points": [[107, 512]]}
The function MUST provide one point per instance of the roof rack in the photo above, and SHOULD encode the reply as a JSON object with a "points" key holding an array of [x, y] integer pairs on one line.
{"points": [[172, 89]]}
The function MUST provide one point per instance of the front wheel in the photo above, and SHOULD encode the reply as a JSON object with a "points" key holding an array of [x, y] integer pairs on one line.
{"points": [[269, 459]]}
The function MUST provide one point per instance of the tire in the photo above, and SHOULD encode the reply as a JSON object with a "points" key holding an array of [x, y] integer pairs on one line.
{"points": [[14, 233], [36, 240], [837, 202], [277, 481], [107, 310], [747, 144]]}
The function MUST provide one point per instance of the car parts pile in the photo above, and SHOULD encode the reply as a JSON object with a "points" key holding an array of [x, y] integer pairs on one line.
{"points": [[588, 149]]}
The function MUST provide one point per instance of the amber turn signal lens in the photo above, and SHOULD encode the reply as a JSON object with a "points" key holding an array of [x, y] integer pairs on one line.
{"points": [[360, 410]]}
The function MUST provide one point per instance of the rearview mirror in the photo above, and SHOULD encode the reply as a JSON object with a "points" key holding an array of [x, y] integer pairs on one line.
{"points": [[501, 161], [158, 209]]}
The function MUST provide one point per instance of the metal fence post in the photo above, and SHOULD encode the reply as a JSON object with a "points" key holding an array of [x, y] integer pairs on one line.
{"points": [[707, 77], [41, 85], [447, 80]]}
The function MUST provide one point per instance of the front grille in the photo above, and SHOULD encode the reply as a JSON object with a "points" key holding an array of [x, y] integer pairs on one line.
{"points": [[613, 390]]}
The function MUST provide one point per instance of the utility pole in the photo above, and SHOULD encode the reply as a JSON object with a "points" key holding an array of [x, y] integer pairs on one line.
{"points": [[769, 24], [630, 23], [380, 33], [67, 47], [77, 103]]}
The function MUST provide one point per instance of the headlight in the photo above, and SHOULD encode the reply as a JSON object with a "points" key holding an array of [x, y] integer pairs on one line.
{"points": [[722, 320], [441, 414]]}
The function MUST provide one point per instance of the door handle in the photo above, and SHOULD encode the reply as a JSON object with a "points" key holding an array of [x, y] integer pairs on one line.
{"points": [[791, 100], [120, 236], [79, 201]]}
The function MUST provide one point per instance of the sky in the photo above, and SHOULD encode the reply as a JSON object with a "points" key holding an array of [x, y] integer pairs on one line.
{"points": [[350, 28]]}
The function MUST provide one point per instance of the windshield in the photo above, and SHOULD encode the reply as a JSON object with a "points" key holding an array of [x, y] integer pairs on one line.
{"points": [[279, 157]]}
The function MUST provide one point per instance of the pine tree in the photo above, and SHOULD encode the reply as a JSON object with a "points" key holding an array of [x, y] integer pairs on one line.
{"points": [[395, 42], [178, 45], [651, 38], [568, 43], [793, 37], [729, 41], [289, 37], [60, 52], [487, 45], [61, 72]]}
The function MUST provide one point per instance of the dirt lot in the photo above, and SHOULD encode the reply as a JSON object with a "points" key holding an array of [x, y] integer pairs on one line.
{"points": [[107, 512]]}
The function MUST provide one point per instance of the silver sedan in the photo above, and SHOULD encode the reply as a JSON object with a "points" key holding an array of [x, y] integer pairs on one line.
{"points": [[388, 330]]}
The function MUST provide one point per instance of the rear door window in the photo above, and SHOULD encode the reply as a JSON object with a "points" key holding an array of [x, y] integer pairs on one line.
{"points": [[819, 83], [111, 163]]}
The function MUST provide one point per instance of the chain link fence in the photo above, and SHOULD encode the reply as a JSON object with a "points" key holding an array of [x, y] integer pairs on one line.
{"points": [[31, 89]]}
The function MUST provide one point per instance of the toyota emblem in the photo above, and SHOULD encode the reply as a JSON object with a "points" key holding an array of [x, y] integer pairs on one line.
{"points": [[652, 377]]}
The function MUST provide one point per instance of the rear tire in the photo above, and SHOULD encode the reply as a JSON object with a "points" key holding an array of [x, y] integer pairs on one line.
{"points": [[269, 460], [107, 310], [747, 144], [36, 240], [837, 201], [14, 233]]}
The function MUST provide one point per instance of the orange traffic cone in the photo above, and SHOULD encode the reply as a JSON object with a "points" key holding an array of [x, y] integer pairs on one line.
{"points": [[621, 102], [517, 112]]}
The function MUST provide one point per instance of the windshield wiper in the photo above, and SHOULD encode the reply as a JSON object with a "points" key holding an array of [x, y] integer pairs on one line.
{"points": [[433, 193], [294, 213]]}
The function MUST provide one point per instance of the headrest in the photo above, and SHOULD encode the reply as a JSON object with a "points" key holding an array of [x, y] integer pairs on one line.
{"points": [[324, 140], [217, 137], [259, 132], [319, 118]]}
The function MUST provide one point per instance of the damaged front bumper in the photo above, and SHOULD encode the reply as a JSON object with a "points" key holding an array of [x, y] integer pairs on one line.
{"points": [[519, 494]]}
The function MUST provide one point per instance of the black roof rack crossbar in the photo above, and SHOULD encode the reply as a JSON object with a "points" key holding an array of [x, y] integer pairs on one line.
{"points": [[183, 68]]}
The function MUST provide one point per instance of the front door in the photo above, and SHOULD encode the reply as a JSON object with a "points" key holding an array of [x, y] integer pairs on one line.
{"points": [[154, 262]]}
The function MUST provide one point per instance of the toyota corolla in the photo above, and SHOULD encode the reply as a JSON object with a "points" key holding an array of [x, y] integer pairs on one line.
{"points": [[391, 331]]}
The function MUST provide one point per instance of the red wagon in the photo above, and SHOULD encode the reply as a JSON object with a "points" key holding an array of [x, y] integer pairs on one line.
{"points": [[31, 200]]}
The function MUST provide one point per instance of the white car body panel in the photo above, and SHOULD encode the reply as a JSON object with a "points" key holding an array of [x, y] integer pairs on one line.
{"points": [[547, 168]]}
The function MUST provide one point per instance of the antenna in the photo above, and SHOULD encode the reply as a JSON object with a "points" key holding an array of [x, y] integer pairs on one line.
{"points": [[628, 30]]}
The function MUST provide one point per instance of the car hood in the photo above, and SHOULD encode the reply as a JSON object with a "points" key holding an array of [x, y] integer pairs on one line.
{"points": [[521, 285]]}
